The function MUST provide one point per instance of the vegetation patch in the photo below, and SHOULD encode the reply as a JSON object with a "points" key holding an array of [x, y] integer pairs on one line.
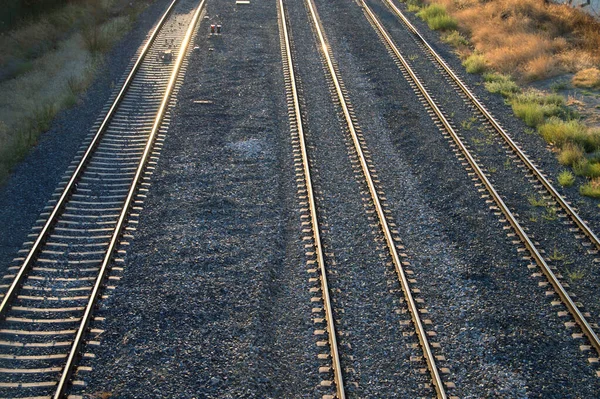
{"points": [[455, 38], [589, 78], [501, 83], [519, 41], [529, 39], [534, 106], [475, 63], [591, 188], [46, 65], [566, 178], [437, 18]]}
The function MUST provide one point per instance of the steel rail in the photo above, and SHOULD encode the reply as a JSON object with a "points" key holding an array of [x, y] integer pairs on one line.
{"points": [[87, 316], [337, 368], [539, 259], [62, 200], [414, 311], [549, 187]]}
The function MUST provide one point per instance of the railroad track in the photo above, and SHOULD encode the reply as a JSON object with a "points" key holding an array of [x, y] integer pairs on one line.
{"points": [[77, 245], [390, 236], [495, 125], [574, 308]]}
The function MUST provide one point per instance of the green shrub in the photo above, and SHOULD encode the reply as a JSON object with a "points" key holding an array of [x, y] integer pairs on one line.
{"points": [[566, 178], [502, 84], [569, 154], [531, 113], [534, 107], [559, 132], [454, 38], [475, 63], [591, 188], [437, 18]]}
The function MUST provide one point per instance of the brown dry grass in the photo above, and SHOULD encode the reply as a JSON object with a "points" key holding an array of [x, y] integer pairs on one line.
{"points": [[528, 38], [587, 78]]}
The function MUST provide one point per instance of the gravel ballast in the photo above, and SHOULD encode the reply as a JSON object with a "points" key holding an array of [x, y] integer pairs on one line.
{"points": [[215, 299], [501, 335]]}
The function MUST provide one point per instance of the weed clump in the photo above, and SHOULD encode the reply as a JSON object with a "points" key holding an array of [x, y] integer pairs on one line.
{"points": [[500, 83], [534, 107], [566, 178], [570, 154], [589, 78], [454, 38], [591, 188], [437, 18], [475, 63]]}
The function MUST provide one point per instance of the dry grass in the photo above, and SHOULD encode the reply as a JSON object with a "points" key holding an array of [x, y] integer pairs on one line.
{"points": [[528, 38], [589, 78], [55, 75]]}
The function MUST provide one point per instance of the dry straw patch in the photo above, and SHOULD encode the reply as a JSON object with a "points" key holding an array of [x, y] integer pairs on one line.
{"points": [[528, 38], [587, 78]]}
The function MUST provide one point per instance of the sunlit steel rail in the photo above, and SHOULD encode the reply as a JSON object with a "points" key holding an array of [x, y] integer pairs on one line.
{"points": [[60, 391], [539, 259], [62, 200], [412, 306], [331, 330], [70, 188], [492, 121]]}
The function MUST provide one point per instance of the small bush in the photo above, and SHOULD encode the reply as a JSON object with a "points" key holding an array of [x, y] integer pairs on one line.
{"points": [[442, 22], [587, 78], [591, 188], [534, 107], [499, 83], [454, 38], [475, 63], [558, 132], [531, 113], [569, 154], [437, 18], [566, 178], [432, 10]]}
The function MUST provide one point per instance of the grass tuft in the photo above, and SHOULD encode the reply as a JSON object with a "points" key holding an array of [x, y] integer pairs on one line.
{"points": [[534, 107], [437, 18], [475, 63], [570, 154], [535, 201], [558, 132], [566, 178], [502, 84], [454, 38], [589, 78], [591, 188]]}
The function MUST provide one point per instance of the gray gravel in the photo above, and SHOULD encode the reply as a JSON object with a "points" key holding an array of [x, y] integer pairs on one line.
{"points": [[214, 301], [463, 261]]}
